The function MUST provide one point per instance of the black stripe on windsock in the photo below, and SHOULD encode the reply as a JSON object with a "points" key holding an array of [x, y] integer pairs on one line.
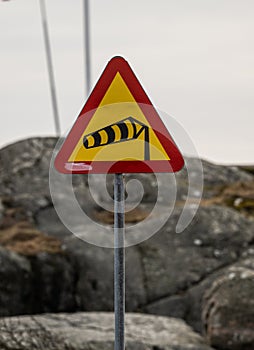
{"points": [[124, 130], [111, 134]]}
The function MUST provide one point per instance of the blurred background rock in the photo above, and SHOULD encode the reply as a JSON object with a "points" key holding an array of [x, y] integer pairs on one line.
{"points": [[203, 276]]}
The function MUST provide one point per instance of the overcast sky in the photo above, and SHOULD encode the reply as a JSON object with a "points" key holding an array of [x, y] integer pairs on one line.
{"points": [[195, 59]]}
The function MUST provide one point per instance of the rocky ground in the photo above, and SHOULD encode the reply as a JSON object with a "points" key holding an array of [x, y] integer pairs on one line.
{"points": [[95, 331], [203, 276]]}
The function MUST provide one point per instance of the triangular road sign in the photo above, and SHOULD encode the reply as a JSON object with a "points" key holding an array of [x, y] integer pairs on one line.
{"points": [[118, 130]]}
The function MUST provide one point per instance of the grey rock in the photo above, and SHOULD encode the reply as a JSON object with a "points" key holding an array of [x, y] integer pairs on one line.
{"points": [[24, 176], [147, 181], [174, 262], [164, 272], [15, 284], [95, 280], [248, 168], [54, 283], [95, 331], [175, 306], [195, 294], [228, 309], [94, 288], [178, 271], [217, 176], [36, 284], [47, 220], [25, 172], [166, 275], [1, 209]]}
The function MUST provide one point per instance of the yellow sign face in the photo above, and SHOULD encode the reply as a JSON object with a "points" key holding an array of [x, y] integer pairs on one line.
{"points": [[118, 128]]}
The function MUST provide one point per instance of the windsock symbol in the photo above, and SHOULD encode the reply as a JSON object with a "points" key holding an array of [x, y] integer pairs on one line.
{"points": [[125, 130]]}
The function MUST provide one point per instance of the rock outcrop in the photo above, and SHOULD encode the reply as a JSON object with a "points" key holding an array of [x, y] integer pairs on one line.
{"points": [[95, 331], [47, 269], [229, 308]]}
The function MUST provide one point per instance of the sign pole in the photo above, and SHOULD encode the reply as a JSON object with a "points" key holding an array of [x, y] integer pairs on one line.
{"points": [[119, 260], [50, 66], [116, 131]]}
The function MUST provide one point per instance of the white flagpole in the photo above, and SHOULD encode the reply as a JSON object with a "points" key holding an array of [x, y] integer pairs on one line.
{"points": [[50, 66], [87, 46]]}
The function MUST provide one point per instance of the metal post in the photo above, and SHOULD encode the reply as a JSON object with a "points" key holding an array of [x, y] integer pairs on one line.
{"points": [[50, 66], [87, 46], [119, 263]]}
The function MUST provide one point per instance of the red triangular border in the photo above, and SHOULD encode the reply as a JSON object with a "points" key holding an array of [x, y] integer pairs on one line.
{"points": [[119, 64]]}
